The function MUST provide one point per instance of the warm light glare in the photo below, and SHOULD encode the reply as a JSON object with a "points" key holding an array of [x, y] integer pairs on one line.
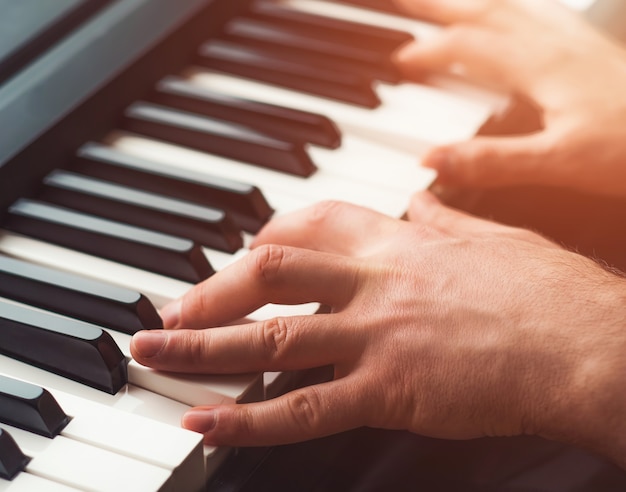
{"points": [[579, 4]]}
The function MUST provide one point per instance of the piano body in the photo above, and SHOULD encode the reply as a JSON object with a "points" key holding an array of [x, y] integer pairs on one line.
{"points": [[142, 144]]}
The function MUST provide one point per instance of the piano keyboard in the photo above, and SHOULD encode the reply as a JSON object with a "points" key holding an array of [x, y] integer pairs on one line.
{"points": [[174, 191]]}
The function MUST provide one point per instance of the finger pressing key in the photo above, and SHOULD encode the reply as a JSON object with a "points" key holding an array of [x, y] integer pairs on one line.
{"points": [[269, 274], [289, 343], [311, 412]]}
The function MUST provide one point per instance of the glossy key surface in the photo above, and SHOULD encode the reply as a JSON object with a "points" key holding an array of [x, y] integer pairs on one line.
{"points": [[245, 202], [153, 251], [74, 349], [291, 43], [268, 67], [12, 459], [219, 137], [76, 296], [334, 28], [88, 468], [282, 121], [208, 226], [30, 407]]}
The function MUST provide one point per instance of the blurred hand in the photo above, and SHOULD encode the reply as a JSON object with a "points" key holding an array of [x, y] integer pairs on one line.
{"points": [[550, 55], [445, 325]]}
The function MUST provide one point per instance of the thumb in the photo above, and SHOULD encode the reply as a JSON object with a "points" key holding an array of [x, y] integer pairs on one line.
{"points": [[488, 162]]}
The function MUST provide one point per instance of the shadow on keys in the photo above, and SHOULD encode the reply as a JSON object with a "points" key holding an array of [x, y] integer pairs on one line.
{"points": [[375, 460]]}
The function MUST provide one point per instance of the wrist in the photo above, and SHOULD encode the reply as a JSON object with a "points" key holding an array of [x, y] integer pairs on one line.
{"points": [[585, 405]]}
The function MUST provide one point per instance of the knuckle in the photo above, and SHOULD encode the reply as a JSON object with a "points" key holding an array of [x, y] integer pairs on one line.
{"points": [[484, 153], [266, 262], [242, 423], [274, 337], [196, 345], [193, 303], [322, 211], [233, 424], [306, 409]]}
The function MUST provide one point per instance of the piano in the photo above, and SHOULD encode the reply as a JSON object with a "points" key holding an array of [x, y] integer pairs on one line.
{"points": [[143, 144]]}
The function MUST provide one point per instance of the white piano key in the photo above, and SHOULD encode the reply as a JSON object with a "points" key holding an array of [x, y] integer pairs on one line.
{"points": [[360, 160], [357, 160], [134, 436], [420, 30], [174, 449], [132, 400], [87, 467], [190, 389], [170, 155], [25, 482], [322, 185], [160, 290], [411, 118], [582, 5], [198, 389], [193, 390], [136, 403], [353, 13]]}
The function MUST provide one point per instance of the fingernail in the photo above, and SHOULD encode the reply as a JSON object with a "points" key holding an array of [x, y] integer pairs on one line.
{"points": [[438, 159], [170, 314], [200, 420], [406, 53], [441, 161], [149, 343]]}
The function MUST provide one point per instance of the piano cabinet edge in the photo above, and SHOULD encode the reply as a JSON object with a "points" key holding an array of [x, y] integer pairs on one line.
{"points": [[20, 174]]}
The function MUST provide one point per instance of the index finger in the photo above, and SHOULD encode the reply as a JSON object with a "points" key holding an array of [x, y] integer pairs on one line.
{"points": [[270, 274]]}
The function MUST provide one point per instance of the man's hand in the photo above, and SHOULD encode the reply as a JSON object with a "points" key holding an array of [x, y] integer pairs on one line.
{"points": [[445, 325], [551, 56]]}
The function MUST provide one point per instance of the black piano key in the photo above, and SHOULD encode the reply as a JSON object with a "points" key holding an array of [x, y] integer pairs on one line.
{"points": [[208, 226], [12, 459], [244, 202], [382, 39], [263, 65], [218, 137], [30, 407], [78, 297], [291, 44], [68, 347], [283, 122], [160, 253]]}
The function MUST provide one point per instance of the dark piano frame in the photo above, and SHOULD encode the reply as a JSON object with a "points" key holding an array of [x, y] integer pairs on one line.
{"points": [[77, 91]]}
